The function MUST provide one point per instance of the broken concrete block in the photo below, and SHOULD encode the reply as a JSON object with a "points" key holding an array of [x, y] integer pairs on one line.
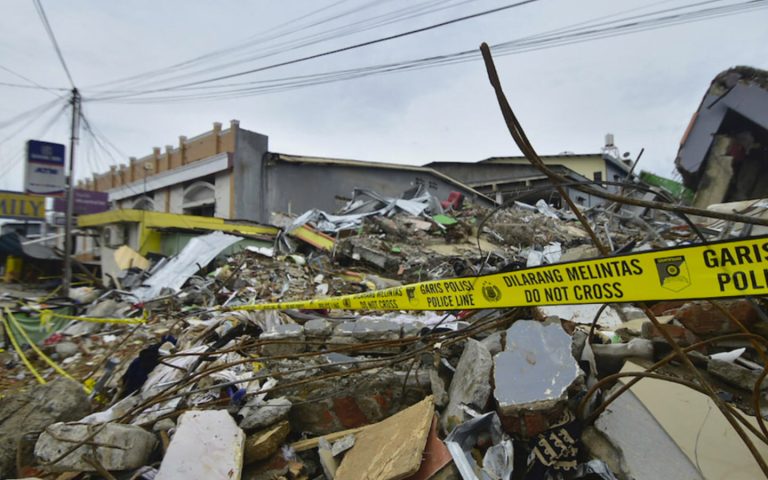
{"points": [[391, 449], [610, 357], [293, 336], [703, 318], [318, 327], [736, 375], [368, 330], [626, 435], [681, 335], [259, 414], [372, 329], [355, 400], [374, 257], [34, 409], [207, 445], [470, 384], [115, 446], [533, 375], [264, 443]]}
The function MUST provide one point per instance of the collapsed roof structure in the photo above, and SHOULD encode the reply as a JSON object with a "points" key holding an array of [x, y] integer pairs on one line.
{"points": [[724, 149]]}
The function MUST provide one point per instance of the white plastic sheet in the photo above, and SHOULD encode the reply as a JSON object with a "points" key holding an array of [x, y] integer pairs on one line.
{"points": [[196, 254]]}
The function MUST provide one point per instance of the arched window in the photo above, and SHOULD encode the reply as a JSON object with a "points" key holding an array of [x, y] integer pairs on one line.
{"points": [[199, 199], [144, 203]]}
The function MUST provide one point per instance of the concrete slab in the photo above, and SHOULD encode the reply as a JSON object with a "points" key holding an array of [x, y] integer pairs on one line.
{"points": [[208, 445]]}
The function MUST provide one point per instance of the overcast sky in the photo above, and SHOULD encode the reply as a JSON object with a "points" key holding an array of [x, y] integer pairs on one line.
{"points": [[642, 87]]}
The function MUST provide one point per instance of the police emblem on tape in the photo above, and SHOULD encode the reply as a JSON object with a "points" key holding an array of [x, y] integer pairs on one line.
{"points": [[491, 292], [673, 273], [410, 292]]}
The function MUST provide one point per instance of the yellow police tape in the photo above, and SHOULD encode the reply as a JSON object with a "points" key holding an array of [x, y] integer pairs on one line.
{"points": [[716, 270], [20, 352], [37, 350], [47, 315]]}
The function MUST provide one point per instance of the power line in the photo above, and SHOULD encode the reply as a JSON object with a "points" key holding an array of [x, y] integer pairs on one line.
{"points": [[343, 49], [49, 31], [412, 11], [103, 142], [34, 111], [30, 83], [577, 33], [17, 156], [19, 85]]}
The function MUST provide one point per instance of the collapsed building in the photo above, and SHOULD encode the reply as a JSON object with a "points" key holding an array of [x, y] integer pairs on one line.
{"points": [[223, 348], [724, 150], [173, 375]]}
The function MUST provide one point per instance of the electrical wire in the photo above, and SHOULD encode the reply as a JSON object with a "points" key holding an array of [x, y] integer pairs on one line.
{"points": [[101, 141], [412, 10], [52, 37], [563, 36], [17, 157], [31, 83], [348, 48], [333, 34]]}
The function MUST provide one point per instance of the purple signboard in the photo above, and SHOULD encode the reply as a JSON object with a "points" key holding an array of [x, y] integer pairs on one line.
{"points": [[86, 202]]}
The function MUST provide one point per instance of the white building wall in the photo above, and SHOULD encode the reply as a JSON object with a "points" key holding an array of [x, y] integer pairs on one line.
{"points": [[177, 199], [160, 199], [222, 194]]}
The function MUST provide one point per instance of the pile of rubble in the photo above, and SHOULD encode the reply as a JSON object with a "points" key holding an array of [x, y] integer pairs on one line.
{"points": [[196, 390]]}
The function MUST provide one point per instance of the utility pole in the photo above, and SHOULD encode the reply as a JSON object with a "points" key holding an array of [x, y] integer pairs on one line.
{"points": [[67, 282]]}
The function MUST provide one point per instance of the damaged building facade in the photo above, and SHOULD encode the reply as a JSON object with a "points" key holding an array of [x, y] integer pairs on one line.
{"points": [[724, 150], [231, 174], [514, 178]]}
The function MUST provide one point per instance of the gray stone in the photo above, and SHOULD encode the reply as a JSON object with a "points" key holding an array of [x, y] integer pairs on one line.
{"points": [[735, 375], [493, 343], [470, 384], [66, 349], [535, 370], [163, 425], [368, 329], [31, 411], [317, 332], [411, 329], [260, 414], [115, 446], [292, 333], [438, 388], [318, 327]]}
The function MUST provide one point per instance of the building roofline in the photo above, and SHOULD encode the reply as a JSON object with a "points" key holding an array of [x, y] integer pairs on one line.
{"points": [[298, 159], [604, 156]]}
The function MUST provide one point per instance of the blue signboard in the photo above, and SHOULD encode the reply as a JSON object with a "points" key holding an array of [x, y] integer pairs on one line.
{"points": [[45, 168]]}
